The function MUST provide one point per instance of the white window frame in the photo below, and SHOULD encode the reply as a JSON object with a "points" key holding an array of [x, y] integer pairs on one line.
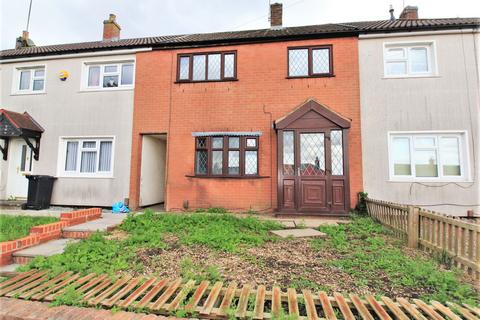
{"points": [[16, 80], [411, 135], [77, 174], [406, 46], [86, 68]]}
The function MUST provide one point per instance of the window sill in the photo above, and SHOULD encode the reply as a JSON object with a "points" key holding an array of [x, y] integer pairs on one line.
{"points": [[84, 177], [411, 76], [204, 81], [314, 76], [227, 177], [18, 93], [429, 181], [107, 89]]}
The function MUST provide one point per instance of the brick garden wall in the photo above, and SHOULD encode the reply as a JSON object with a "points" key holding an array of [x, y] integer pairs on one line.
{"points": [[261, 95], [46, 232]]}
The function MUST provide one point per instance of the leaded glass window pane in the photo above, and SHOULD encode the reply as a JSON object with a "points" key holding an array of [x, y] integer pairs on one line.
{"points": [[217, 142], [298, 62], [251, 165], [229, 65], [199, 67], [217, 162], [401, 156], [234, 142], [321, 61], [202, 142], [251, 142], [337, 152], [202, 162], [288, 153], [214, 66], [233, 162], [450, 155], [184, 68], [312, 154]]}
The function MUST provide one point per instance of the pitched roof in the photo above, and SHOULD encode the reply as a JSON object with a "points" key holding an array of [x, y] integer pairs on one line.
{"points": [[260, 35], [21, 120]]}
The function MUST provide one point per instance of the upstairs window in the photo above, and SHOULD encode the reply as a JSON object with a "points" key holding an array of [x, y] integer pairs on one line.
{"points": [[428, 156], [233, 156], [112, 75], [30, 80], [216, 66], [310, 62], [409, 60]]}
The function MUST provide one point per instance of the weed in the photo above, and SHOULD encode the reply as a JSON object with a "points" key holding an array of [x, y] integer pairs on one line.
{"points": [[217, 210], [445, 259], [70, 297], [189, 270]]}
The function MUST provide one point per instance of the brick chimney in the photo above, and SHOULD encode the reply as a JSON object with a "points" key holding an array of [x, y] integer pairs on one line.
{"points": [[24, 41], [409, 12], [276, 13], [111, 29]]}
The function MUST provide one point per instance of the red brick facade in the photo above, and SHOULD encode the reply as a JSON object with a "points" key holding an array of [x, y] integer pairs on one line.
{"points": [[261, 95]]}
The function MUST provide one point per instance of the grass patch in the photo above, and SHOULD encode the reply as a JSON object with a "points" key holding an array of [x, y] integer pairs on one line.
{"points": [[218, 231], [367, 254], [14, 227]]}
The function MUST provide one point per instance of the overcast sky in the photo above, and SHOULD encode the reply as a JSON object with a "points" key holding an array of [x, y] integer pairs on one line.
{"points": [[64, 21]]}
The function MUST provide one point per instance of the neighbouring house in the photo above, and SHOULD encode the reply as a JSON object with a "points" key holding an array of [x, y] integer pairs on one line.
{"points": [[420, 106], [67, 112]]}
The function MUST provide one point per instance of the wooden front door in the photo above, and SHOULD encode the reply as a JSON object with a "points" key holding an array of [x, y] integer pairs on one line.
{"points": [[313, 163]]}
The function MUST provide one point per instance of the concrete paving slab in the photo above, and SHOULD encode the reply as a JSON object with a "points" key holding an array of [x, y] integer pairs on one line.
{"points": [[46, 249], [106, 222], [299, 233], [9, 268]]}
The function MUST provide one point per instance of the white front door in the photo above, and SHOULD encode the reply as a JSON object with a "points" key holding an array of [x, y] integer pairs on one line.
{"points": [[20, 160]]}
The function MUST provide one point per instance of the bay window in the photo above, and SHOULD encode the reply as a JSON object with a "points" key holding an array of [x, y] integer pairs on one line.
{"points": [[226, 155], [86, 157], [428, 156]]}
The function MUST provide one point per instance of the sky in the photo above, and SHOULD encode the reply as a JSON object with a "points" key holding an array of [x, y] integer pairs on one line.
{"points": [[68, 21]]}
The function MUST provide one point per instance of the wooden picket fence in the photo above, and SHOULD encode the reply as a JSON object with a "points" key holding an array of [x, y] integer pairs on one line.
{"points": [[170, 297], [432, 231]]}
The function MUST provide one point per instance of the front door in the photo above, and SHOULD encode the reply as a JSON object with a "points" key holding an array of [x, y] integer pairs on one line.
{"points": [[313, 162], [19, 164]]}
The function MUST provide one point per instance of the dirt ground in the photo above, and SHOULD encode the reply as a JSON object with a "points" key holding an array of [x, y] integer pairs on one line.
{"points": [[285, 263]]}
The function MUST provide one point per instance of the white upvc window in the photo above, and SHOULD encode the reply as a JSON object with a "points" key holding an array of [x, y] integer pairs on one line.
{"points": [[29, 80], [427, 156], [109, 76], [86, 157], [409, 59]]}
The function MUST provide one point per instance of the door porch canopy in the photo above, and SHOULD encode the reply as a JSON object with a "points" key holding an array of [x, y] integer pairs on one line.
{"points": [[19, 125]]}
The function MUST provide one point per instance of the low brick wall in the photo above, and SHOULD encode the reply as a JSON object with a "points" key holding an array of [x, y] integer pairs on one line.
{"points": [[46, 232]]}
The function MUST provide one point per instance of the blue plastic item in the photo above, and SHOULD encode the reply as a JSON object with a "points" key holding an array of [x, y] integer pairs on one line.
{"points": [[120, 207]]}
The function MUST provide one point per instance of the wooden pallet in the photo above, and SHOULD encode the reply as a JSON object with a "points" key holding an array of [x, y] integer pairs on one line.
{"points": [[217, 301]]}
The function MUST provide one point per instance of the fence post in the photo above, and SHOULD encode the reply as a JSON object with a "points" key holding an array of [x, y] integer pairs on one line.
{"points": [[412, 227]]}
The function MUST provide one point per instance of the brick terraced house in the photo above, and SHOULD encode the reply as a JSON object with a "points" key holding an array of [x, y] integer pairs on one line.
{"points": [[267, 120]]}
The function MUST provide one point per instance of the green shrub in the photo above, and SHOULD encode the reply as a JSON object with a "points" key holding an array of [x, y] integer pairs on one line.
{"points": [[361, 207]]}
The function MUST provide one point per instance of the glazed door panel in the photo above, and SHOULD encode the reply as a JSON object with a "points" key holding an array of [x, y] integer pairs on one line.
{"points": [[312, 172]]}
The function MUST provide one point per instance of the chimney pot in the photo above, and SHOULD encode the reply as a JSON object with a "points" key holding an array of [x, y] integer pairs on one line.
{"points": [[111, 29], [392, 16], [409, 12], [24, 41], [276, 12]]}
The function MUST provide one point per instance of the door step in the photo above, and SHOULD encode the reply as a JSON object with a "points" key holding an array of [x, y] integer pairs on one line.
{"points": [[106, 223], [46, 249]]}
